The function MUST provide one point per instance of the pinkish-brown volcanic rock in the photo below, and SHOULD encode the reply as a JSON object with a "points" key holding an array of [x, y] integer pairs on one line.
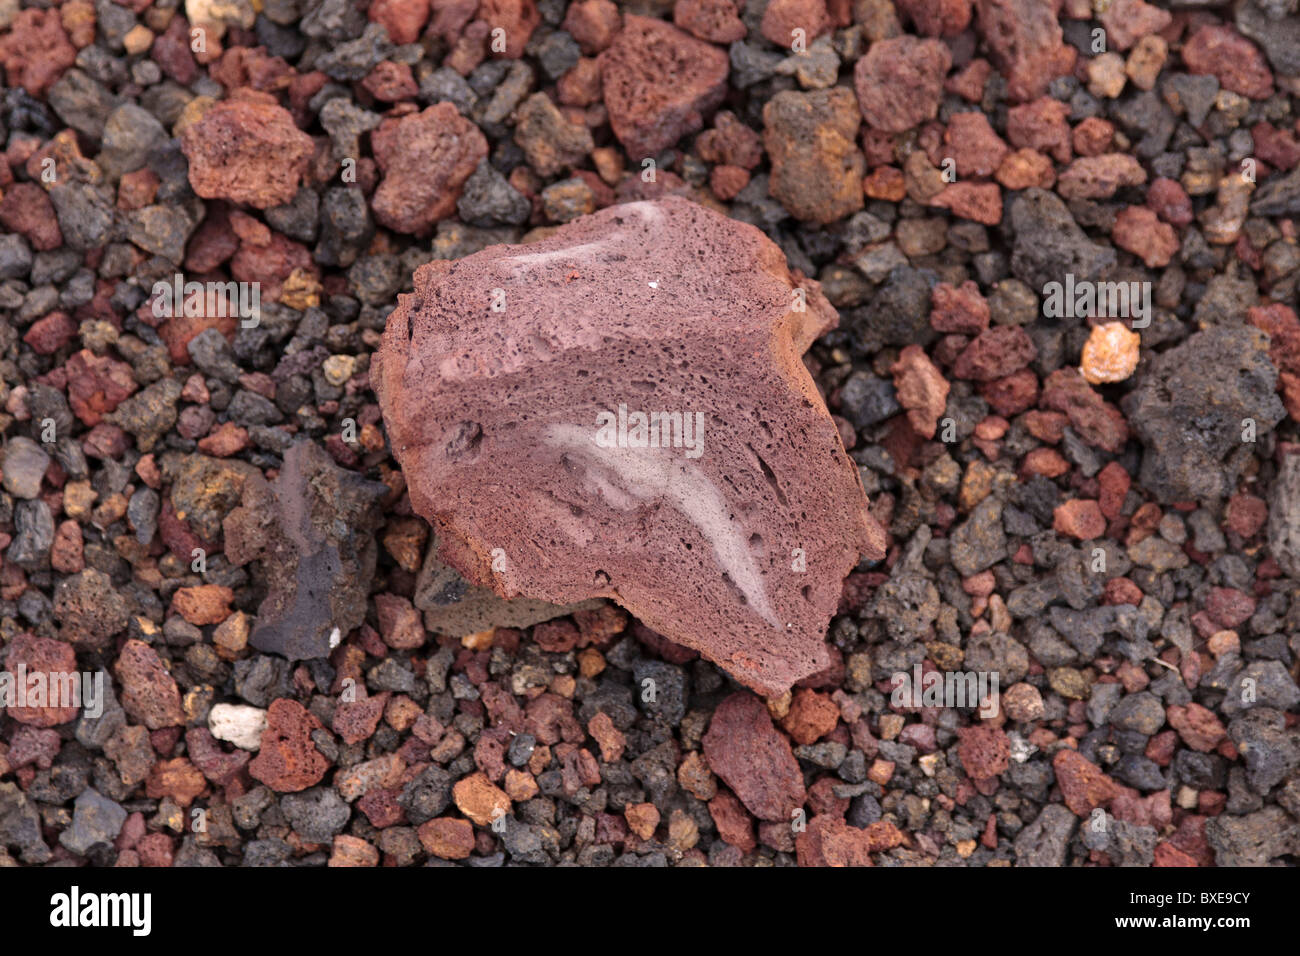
{"points": [[658, 83], [1027, 43], [425, 158], [523, 431], [246, 149]]}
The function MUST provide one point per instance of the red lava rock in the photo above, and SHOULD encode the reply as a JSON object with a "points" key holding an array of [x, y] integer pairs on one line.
{"points": [[985, 751], [1166, 854], [149, 693], [1170, 202], [171, 51], [1093, 136], [737, 601], [403, 19], [36, 50], [226, 440], [811, 716], [46, 336], [735, 825], [1041, 125], [1229, 607], [478, 799], [288, 761], [1083, 785], [960, 309], [816, 165], [1098, 423], [968, 82], [730, 142], [783, 17], [1079, 518], [717, 21], [900, 82], [1114, 482], [658, 83], [214, 763], [1283, 329], [1122, 591], [1279, 148], [247, 149], [448, 838], [972, 143], [1027, 44], [1047, 462], [752, 758], [391, 82], [610, 738], [518, 18], [356, 720], [1198, 727], [66, 554], [40, 659], [33, 746], [978, 202], [97, 384], [994, 353], [137, 189], [935, 18], [1246, 514], [829, 841], [1237, 63], [1098, 177], [1011, 394], [203, 603], [593, 24], [727, 181], [1127, 21], [921, 389], [425, 158], [27, 210], [451, 19], [400, 623]]}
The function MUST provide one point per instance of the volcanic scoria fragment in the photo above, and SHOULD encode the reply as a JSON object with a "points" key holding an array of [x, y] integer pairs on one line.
{"points": [[620, 410], [246, 149], [313, 529], [658, 83]]}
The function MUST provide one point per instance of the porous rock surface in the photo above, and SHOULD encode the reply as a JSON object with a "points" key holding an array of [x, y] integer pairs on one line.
{"points": [[661, 306]]}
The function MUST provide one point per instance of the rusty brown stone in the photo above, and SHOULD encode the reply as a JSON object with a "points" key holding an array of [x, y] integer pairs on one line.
{"points": [[658, 84], [425, 158], [288, 760], [900, 82], [752, 757], [248, 150]]}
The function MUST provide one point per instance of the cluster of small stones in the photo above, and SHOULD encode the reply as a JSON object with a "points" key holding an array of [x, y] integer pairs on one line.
{"points": [[1108, 523]]}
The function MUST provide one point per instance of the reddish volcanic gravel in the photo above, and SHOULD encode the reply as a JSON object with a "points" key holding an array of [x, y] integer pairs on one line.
{"points": [[982, 550]]}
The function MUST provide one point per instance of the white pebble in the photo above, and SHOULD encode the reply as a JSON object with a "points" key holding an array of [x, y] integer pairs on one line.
{"points": [[238, 724]]}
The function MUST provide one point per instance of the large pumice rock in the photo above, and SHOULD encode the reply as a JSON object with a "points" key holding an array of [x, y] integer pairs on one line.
{"points": [[517, 384]]}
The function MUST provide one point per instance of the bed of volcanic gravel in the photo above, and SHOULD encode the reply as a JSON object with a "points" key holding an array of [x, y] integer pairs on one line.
{"points": [[1108, 524]]}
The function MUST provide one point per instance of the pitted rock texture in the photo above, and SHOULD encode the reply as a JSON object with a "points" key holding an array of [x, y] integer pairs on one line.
{"points": [[246, 149], [658, 83], [657, 306]]}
